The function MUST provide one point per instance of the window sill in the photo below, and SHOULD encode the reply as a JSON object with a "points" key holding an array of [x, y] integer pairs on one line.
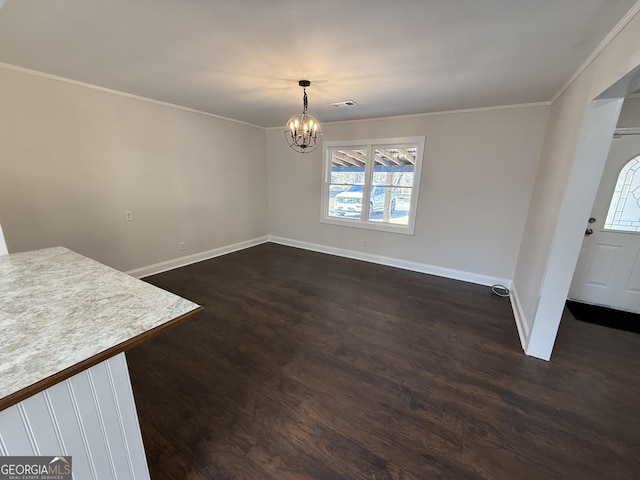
{"points": [[381, 227]]}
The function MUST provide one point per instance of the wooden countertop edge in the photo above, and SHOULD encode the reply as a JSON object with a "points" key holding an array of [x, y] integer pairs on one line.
{"points": [[47, 382]]}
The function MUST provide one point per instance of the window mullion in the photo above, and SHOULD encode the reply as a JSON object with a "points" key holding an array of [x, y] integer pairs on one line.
{"points": [[368, 180]]}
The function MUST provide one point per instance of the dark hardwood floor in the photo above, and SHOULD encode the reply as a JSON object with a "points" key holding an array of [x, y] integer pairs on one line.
{"points": [[309, 366]]}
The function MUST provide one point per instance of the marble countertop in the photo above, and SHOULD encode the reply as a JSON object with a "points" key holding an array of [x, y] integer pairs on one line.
{"points": [[59, 309]]}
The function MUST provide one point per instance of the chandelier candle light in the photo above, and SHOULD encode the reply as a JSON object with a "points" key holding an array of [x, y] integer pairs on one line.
{"points": [[302, 130]]}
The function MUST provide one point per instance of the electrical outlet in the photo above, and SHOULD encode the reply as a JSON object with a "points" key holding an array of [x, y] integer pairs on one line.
{"points": [[128, 216], [183, 245]]}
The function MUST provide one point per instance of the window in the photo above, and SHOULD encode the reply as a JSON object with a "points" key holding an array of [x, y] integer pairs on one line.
{"points": [[624, 209], [384, 171]]}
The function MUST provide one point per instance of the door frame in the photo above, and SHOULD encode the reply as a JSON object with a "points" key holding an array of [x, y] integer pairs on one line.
{"points": [[590, 158], [591, 155], [611, 294]]}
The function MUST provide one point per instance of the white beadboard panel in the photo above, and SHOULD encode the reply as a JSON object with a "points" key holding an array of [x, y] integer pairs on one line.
{"points": [[64, 414], [91, 424], [107, 406], [54, 420], [27, 428], [125, 402], [41, 425], [91, 417], [13, 434]]}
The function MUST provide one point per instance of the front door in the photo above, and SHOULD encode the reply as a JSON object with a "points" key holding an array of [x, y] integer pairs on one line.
{"points": [[608, 268]]}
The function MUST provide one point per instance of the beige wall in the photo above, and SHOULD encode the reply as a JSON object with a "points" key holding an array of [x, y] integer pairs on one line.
{"points": [[477, 179], [560, 160], [74, 159]]}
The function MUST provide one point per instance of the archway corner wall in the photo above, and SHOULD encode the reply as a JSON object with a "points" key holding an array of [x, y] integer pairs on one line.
{"points": [[578, 136]]}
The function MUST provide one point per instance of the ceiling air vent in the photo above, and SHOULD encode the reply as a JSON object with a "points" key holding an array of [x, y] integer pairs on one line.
{"points": [[346, 103]]}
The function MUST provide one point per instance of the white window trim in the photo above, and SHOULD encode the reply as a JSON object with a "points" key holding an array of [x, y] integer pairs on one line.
{"points": [[370, 145]]}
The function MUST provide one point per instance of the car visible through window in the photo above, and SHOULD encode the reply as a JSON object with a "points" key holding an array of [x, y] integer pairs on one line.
{"points": [[350, 200]]}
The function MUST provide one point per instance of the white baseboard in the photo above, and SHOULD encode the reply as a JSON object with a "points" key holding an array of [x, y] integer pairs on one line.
{"points": [[521, 322], [194, 258], [396, 262], [479, 279]]}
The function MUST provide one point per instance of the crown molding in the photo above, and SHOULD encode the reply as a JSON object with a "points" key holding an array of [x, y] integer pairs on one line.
{"points": [[90, 86]]}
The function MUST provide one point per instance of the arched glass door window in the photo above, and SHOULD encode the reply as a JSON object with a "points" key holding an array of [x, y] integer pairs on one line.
{"points": [[624, 209]]}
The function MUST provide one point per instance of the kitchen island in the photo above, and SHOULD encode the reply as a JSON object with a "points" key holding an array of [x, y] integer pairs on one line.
{"points": [[65, 321]]}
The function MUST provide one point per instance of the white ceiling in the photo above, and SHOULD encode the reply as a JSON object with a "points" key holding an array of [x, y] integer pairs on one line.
{"points": [[242, 59]]}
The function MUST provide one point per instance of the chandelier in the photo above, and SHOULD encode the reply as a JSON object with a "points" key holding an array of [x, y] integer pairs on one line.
{"points": [[302, 130]]}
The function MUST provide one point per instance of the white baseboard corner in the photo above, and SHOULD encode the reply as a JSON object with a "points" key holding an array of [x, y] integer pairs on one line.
{"points": [[470, 277], [521, 322], [194, 258]]}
